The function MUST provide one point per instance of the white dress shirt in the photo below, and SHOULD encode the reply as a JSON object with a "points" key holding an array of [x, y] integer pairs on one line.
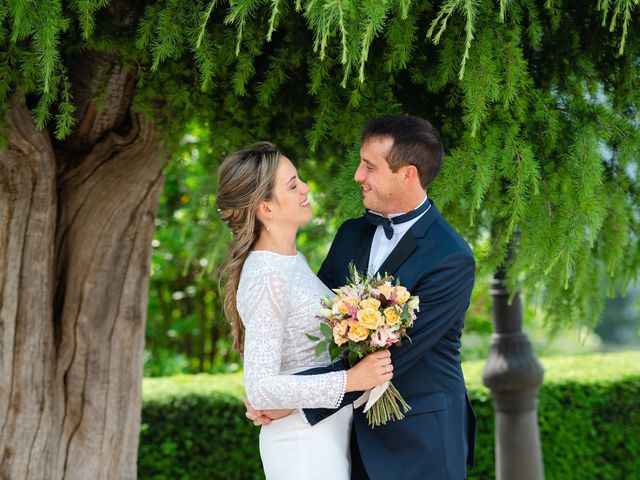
{"points": [[382, 246]]}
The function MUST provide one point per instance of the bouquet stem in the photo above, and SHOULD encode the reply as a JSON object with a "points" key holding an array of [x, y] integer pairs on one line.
{"points": [[390, 406]]}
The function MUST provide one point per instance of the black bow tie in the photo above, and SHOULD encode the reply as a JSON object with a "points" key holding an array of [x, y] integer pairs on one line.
{"points": [[388, 223]]}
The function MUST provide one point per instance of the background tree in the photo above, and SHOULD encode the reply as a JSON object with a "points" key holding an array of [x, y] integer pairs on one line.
{"points": [[536, 101]]}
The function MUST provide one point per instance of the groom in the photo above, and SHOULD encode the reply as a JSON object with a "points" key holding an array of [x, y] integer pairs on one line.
{"points": [[404, 235]]}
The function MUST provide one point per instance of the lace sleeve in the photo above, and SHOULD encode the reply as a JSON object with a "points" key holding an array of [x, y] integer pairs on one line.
{"points": [[262, 307]]}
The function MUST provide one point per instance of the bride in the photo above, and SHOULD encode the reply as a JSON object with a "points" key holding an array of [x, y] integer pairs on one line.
{"points": [[272, 299]]}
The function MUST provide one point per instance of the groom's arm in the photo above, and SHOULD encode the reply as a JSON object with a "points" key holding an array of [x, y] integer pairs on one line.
{"points": [[445, 295], [315, 415]]}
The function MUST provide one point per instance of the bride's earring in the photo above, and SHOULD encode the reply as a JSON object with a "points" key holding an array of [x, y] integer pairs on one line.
{"points": [[268, 225]]}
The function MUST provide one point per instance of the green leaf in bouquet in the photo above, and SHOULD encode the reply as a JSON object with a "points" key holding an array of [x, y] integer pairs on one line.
{"points": [[404, 315], [353, 357], [326, 331], [335, 351], [321, 347], [312, 338], [353, 274], [359, 350]]}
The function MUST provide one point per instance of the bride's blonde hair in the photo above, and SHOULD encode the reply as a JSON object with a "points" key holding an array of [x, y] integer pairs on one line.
{"points": [[245, 179]]}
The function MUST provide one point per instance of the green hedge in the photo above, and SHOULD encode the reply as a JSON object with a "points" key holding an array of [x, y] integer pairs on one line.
{"points": [[193, 426]]}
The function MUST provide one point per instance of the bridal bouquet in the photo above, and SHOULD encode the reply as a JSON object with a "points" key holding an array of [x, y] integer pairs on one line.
{"points": [[368, 315]]}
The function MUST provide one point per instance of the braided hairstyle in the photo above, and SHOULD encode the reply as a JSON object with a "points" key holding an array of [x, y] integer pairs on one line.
{"points": [[245, 179]]}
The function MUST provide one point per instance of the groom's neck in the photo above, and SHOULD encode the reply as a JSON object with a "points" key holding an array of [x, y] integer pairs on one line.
{"points": [[409, 200]]}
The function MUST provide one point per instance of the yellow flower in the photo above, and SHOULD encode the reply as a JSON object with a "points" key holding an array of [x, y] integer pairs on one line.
{"points": [[370, 303], [357, 332], [370, 318], [343, 306], [385, 289], [402, 295], [339, 333], [391, 316]]}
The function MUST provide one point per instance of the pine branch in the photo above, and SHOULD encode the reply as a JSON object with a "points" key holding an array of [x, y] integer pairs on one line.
{"points": [[276, 74], [400, 38], [204, 20], [24, 17], [319, 71], [65, 119], [206, 62], [503, 9], [86, 11], [4, 13], [373, 25], [239, 13], [46, 40], [322, 122], [469, 9], [146, 27], [168, 38], [275, 13]]}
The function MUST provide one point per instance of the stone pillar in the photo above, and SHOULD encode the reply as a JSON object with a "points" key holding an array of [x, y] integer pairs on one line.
{"points": [[513, 374]]}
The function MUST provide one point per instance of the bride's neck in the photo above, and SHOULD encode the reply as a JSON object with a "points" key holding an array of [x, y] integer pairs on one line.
{"points": [[281, 242]]}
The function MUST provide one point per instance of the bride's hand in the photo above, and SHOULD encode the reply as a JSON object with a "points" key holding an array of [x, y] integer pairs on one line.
{"points": [[372, 370]]}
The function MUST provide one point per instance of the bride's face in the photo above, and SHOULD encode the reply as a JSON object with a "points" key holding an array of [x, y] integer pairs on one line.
{"points": [[291, 204]]}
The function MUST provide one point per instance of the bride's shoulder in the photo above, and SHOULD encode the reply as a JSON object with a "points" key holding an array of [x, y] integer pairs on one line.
{"points": [[261, 272], [262, 263]]}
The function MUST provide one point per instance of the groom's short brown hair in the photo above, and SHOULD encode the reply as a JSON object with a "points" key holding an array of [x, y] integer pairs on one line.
{"points": [[415, 142]]}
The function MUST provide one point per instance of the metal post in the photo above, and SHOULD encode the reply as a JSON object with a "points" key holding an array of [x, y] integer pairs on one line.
{"points": [[513, 374]]}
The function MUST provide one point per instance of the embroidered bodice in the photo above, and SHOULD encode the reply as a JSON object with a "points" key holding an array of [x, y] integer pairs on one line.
{"points": [[278, 299]]}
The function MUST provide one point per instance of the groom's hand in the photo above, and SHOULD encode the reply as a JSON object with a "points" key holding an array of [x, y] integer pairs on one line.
{"points": [[264, 417]]}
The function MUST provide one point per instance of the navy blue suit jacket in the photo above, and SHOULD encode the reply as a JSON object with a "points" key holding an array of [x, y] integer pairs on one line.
{"points": [[435, 440]]}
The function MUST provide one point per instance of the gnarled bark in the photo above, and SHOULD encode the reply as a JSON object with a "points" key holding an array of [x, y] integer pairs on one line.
{"points": [[76, 225], [29, 397]]}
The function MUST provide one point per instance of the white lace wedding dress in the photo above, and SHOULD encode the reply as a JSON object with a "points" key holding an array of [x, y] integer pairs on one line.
{"points": [[278, 300]]}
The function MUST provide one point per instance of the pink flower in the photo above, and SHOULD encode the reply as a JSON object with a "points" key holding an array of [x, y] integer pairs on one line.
{"points": [[384, 337]]}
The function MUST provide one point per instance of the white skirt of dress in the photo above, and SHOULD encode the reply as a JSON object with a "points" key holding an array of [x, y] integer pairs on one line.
{"points": [[292, 449]]}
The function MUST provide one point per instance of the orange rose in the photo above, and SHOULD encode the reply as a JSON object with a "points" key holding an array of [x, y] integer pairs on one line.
{"points": [[370, 303], [402, 295], [340, 332], [357, 332], [391, 316], [369, 318]]}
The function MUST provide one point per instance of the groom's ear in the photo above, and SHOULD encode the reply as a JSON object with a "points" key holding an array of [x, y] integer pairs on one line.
{"points": [[411, 173]]}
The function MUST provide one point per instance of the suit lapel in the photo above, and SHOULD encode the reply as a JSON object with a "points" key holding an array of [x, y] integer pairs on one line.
{"points": [[409, 242], [399, 254], [363, 248]]}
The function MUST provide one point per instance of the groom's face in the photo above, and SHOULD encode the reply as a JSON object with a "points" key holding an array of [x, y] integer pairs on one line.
{"points": [[382, 189]]}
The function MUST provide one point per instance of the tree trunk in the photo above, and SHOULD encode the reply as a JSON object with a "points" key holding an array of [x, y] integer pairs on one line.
{"points": [[30, 398], [76, 224]]}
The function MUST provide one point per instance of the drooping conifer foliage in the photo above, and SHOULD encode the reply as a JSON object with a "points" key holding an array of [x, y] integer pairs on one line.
{"points": [[536, 100]]}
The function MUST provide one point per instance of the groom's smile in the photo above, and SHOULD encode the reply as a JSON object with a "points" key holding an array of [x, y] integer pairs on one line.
{"points": [[381, 187]]}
